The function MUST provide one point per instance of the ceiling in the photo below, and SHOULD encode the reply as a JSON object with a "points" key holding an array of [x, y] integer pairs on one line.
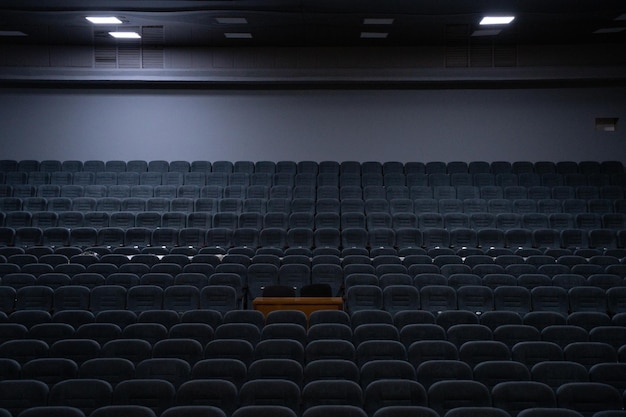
{"points": [[276, 23]]}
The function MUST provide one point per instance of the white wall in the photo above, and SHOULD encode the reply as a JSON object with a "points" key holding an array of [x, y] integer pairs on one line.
{"points": [[409, 125]]}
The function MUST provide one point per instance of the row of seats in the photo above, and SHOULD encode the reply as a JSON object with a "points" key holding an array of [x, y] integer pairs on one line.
{"points": [[456, 327], [422, 319], [115, 369], [406, 239], [413, 192], [423, 360], [108, 178], [374, 256], [418, 275], [225, 292], [253, 220], [246, 256], [314, 411], [332, 167], [515, 265], [441, 398], [137, 346], [304, 206]]}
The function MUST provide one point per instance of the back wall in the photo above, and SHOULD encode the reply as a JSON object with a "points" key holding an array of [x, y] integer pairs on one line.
{"points": [[282, 124]]}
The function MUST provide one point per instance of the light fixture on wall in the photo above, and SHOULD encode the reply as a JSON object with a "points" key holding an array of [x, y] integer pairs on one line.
{"points": [[104, 20], [496, 20], [125, 35]]}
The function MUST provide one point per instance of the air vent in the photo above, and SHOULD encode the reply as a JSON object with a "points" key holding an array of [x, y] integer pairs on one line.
{"points": [[152, 47], [105, 50], [457, 46], [146, 52], [129, 55], [505, 55], [481, 56], [465, 51]]}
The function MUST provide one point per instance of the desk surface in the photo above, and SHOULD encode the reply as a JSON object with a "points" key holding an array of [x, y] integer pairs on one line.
{"points": [[305, 304]]}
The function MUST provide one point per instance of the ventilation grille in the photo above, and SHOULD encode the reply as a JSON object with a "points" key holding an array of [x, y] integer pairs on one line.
{"points": [[465, 51], [105, 51], [457, 46], [146, 52], [152, 49]]}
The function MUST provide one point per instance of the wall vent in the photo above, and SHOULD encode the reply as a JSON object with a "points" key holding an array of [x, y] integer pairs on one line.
{"points": [[465, 51], [129, 53], [105, 51], [457, 46], [481, 56], [152, 46], [505, 55]]}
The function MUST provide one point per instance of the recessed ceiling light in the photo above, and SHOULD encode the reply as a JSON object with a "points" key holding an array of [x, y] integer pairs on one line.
{"points": [[497, 20], [378, 21], [231, 20], [374, 35], [125, 35], [238, 35], [609, 30], [487, 32], [12, 33], [104, 20]]}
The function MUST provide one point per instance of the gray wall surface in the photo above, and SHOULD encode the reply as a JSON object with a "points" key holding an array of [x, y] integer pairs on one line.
{"points": [[368, 124]]}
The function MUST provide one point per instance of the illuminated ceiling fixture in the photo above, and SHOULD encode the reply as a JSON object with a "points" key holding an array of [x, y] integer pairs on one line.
{"points": [[104, 20], [497, 20], [125, 35]]}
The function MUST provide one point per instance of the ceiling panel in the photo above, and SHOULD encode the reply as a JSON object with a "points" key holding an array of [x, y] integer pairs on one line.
{"points": [[317, 22]]}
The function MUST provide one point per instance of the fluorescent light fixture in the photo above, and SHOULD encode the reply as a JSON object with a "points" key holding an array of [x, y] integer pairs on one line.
{"points": [[497, 20], [12, 33], [374, 35], [125, 35], [609, 30], [378, 21], [104, 20], [486, 32], [231, 20], [238, 35]]}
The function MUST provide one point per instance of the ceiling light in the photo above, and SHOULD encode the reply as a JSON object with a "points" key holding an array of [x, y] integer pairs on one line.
{"points": [[378, 21], [12, 33], [486, 32], [609, 30], [125, 35], [238, 35], [231, 20], [497, 20], [374, 35], [104, 20]]}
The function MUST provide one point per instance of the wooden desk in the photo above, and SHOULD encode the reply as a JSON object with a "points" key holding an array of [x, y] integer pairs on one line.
{"points": [[305, 304]]}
